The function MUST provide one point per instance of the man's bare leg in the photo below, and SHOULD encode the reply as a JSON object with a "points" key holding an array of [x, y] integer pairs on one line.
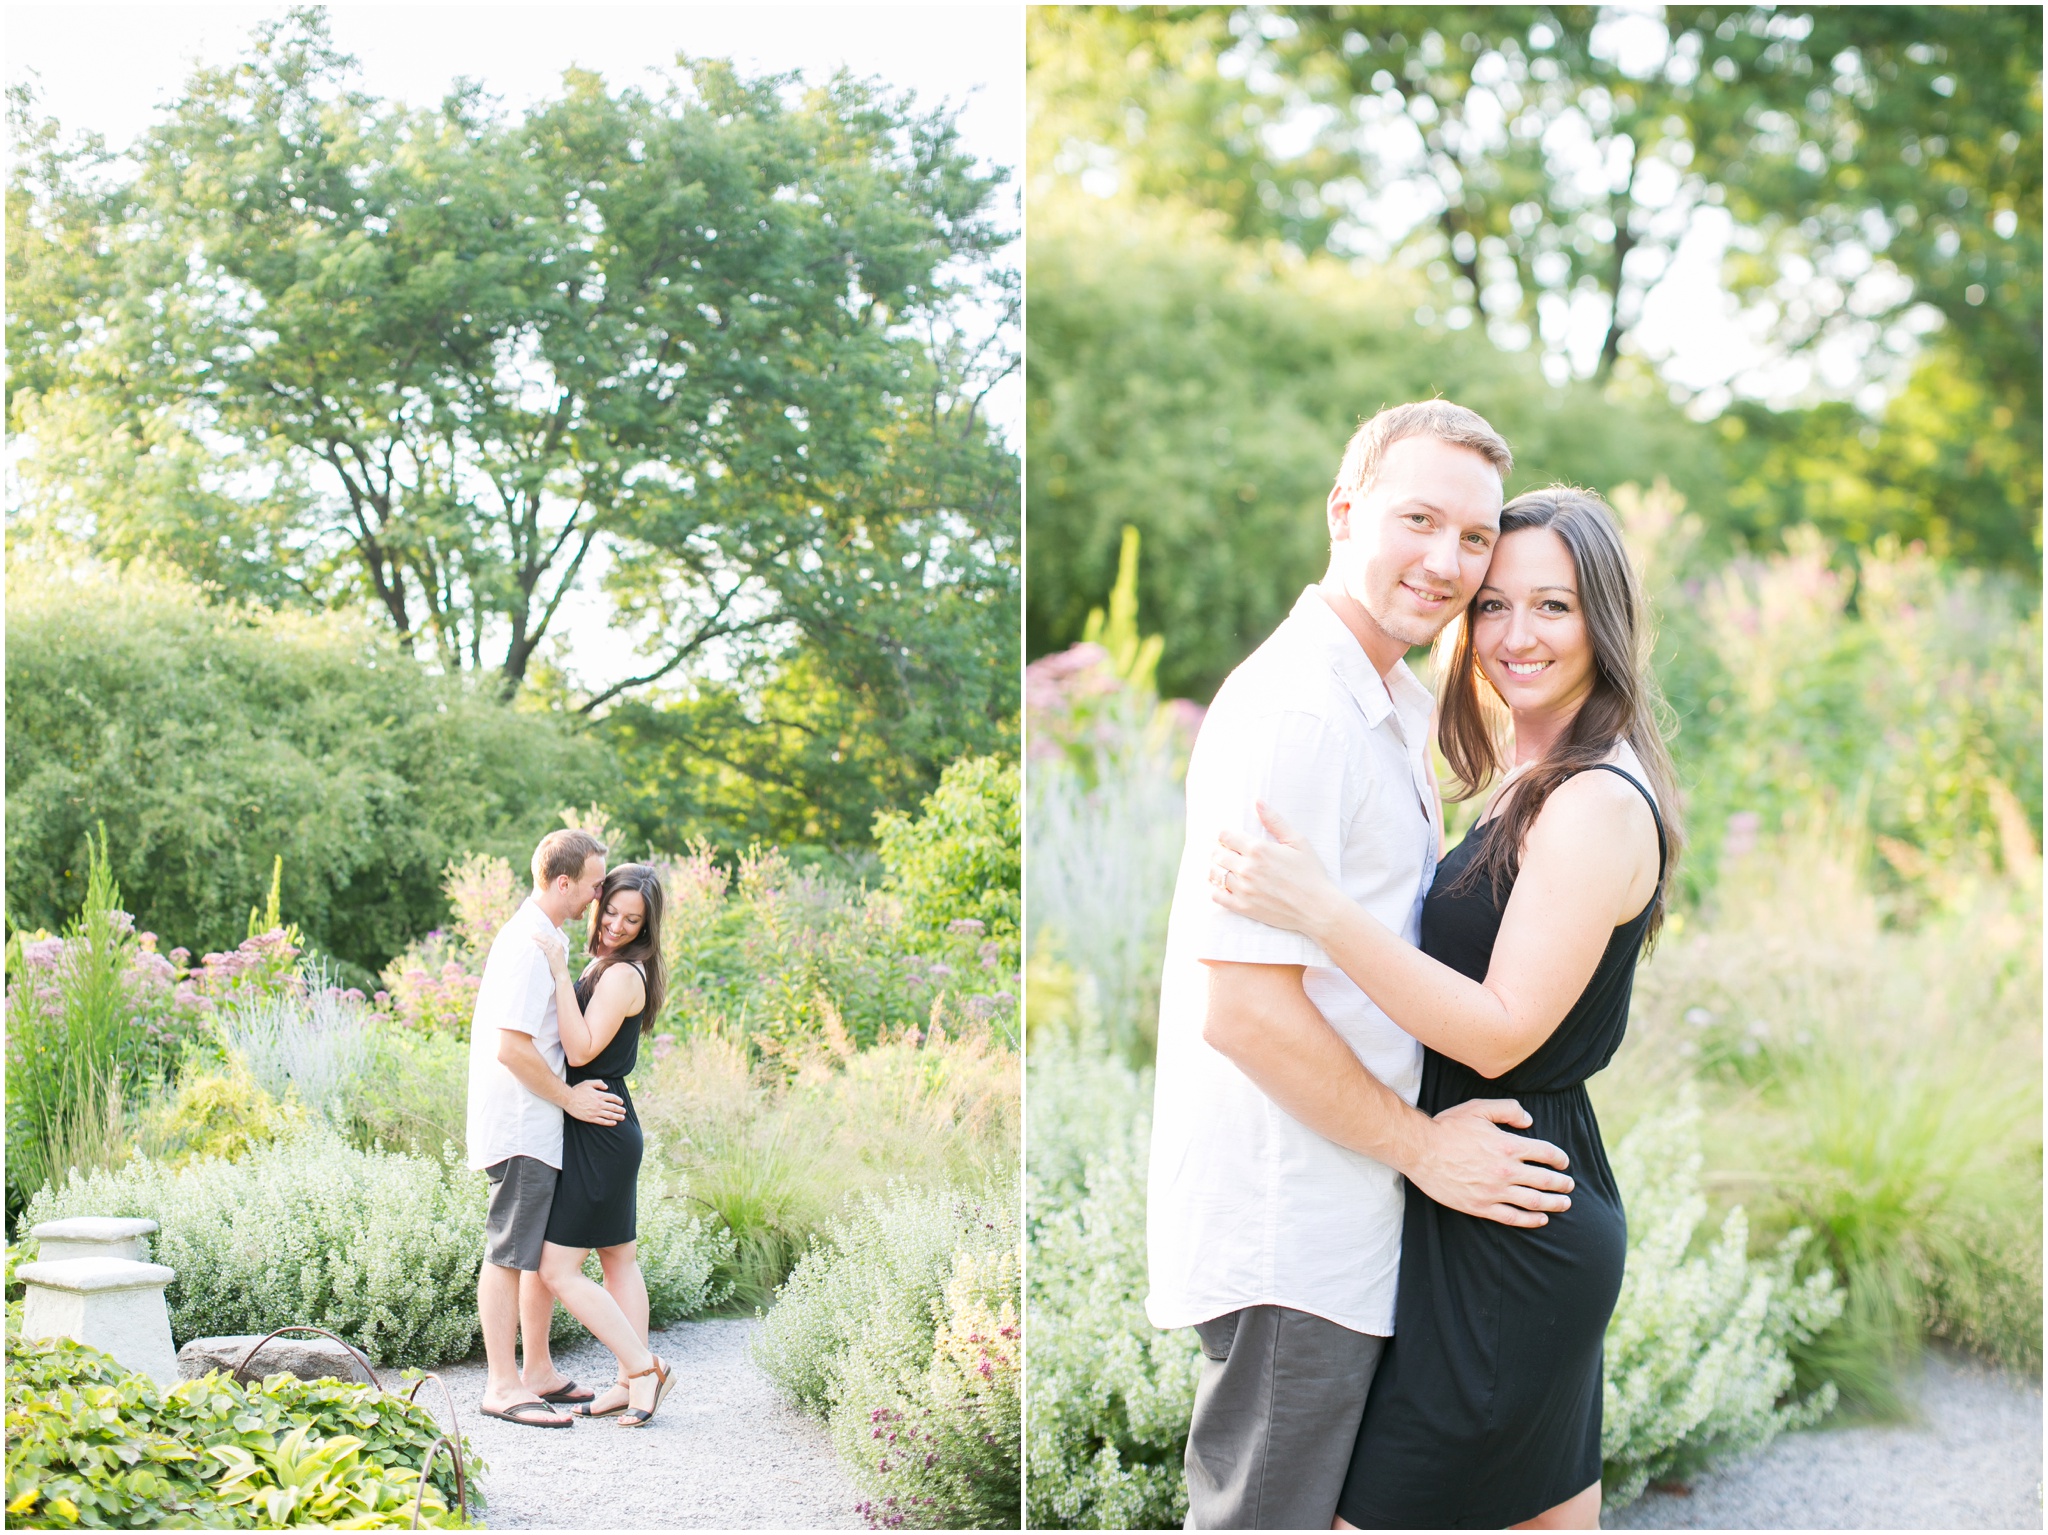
{"points": [[497, 1308], [537, 1370]]}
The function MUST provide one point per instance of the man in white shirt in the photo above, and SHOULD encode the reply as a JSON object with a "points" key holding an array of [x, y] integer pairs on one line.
{"points": [[517, 1096], [1284, 1117]]}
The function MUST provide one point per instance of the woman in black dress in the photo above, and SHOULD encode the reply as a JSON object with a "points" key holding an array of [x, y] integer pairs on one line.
{"points": [[1485, 1411], [602, 1017]]}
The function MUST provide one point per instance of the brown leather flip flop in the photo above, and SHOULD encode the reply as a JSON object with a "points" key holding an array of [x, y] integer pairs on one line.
{"points": [[522, 1413], [568, 1395]]}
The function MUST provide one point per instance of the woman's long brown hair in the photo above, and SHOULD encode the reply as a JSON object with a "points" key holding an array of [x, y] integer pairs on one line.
{"points": [[1624, 704], [645, 949]]}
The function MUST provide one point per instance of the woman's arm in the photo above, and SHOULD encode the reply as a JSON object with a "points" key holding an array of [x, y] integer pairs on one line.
{"points": [[1583, 872], [619, 994]]}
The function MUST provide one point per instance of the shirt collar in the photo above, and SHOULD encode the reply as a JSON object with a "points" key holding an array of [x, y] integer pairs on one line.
{"points": [[1347, 659]]}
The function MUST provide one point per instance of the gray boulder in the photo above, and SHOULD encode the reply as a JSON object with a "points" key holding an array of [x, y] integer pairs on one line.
{"points": [[309, 1358]]}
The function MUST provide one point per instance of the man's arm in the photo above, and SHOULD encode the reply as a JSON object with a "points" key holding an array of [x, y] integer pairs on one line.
{"points": [[587, 1101], [1261, 1019]]}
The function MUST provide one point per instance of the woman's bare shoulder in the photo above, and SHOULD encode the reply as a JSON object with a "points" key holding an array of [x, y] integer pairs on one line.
{"points": [[622, 981], [1600, 805]]}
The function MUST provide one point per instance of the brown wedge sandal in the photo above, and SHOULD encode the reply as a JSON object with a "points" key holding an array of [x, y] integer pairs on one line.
{"points": [[633, 1417]]}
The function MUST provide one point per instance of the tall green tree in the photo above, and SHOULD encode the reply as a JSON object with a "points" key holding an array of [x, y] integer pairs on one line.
{"points": [[1201, 390], [425, 361], [1881, 166]]}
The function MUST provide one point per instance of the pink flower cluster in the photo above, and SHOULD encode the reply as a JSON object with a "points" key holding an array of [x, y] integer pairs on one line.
{"points": [[1075, 701], [166, 998], [442, 1003], [256, 966]]}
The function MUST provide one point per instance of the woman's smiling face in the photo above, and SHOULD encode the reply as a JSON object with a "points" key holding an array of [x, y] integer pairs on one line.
{"points": [[624, 915], [1529, 627]]}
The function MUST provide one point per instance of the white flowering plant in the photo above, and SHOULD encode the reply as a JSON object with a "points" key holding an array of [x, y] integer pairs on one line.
{"points": [[901, 1329], [1698, 1362], [1110, 1394], [378, 1247]]}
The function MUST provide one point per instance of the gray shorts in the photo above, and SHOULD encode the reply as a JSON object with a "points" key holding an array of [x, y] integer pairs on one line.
{"points": [[1276, 1416], [522, 1193]]}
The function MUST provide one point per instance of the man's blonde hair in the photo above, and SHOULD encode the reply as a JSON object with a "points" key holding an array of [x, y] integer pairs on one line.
{"points": [[564, 853], [1423, 418]]}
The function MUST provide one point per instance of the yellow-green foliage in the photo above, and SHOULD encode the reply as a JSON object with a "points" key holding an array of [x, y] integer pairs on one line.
{"points": [[1877, 1082], [219, 1113], [777, 1147], [91, 1444]]}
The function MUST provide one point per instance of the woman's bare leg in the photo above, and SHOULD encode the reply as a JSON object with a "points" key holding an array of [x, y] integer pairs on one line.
{"points": [[590, 1304], [1581, 1512], [625, 1284]]}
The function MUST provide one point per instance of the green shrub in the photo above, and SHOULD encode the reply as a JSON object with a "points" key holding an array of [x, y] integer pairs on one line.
{"points": [[85, 1016], [1873, 1079], [790, 954], [960, 860], [414, 1095], [939, 1448], [91, 1445], [378, 1247], [1698, 1365], [1103, 860], [1903, 696], [881, 1329], [211, 738], [1111, 1395], [777, 1149]]}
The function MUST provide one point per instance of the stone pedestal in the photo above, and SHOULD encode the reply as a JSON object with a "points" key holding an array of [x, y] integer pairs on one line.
{"points": [[113, 1304], [92, 1236], [307, 1358]]}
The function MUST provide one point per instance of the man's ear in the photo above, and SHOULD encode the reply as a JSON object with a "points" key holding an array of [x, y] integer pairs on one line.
{"points": [[1338, 511]]}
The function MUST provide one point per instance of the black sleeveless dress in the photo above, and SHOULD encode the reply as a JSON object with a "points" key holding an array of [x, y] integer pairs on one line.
{"points": [[1485, 1410], [595, 1196]]}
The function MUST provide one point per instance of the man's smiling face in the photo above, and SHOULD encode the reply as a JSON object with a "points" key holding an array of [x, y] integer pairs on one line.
{"points": [[1413, 547]]}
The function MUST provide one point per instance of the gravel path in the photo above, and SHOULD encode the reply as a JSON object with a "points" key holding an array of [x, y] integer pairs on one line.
{"points": [[725, 1452], [1971, 1461]]}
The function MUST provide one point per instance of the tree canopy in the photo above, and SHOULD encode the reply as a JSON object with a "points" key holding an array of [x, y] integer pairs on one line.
{"points": [[1878, 171], [211, 738], [720, 349]]}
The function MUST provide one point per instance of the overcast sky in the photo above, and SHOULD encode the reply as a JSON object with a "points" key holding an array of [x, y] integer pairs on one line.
{"points": [[110, 67]]}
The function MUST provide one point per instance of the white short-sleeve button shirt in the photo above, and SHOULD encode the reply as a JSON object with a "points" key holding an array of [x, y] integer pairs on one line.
{"points": [[517, 992], [1247, 1206]]}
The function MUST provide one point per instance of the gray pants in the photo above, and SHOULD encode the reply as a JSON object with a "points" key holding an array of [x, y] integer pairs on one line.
{"points": [[1276, 1414]]}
